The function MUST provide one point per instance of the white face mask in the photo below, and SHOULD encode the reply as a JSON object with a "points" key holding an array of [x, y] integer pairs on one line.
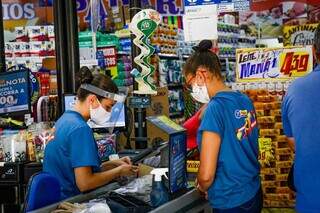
{"points": [[99, 116], [200, 93]]}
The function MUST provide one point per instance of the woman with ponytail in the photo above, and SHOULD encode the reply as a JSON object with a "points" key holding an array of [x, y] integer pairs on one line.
{"points": [[227, 137], [72, 156]]}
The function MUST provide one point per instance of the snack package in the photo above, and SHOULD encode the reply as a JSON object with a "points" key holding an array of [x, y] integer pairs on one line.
{"points": [[275, 112], [282, 177], [266, 119], [51, 32], [25, 49], [9, 49], [284, 164], [21, 34], [106, 145], [37, 33], [269, 132], [17, 49]]}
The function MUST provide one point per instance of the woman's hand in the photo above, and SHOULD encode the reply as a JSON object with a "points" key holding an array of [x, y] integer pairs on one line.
{"points": [[122, 161], [202, 192], [128, 170]]}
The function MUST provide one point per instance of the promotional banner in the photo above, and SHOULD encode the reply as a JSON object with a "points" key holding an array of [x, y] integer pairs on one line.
{"points": [[273, 63], [260, 5], [264, 24], [300, 35], [14, 92]]}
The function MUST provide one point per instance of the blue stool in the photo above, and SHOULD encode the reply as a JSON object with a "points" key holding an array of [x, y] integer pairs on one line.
{"points": [[43, 190]]}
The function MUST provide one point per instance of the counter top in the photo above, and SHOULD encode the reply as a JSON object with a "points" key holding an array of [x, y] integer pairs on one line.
{"points": [[184, 203]]}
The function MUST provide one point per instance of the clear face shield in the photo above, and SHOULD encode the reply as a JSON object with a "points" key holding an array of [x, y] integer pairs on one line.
{"points": [[117, 118]]}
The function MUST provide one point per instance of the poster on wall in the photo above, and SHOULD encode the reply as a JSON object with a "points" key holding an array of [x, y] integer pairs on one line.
{"points": [[273, 63], [21, 13], [14, 92], [314, 14], [269, 21], [299, 35], [295, 13], [200, 15]]}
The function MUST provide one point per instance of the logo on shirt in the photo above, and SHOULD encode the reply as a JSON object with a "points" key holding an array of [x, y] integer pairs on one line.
{"points": [[246, 129], [241, 114]]}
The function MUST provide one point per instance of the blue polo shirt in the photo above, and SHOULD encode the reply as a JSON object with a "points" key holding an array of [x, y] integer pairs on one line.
{"points": [[232, 116], [301, 120], [73, 146]]}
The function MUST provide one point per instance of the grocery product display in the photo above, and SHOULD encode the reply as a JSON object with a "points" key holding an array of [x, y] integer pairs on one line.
{"points": [[32, 44], [141, 45], [275, 155]]}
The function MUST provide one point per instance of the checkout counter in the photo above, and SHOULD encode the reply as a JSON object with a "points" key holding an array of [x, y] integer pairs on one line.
{"points": [[189, 201]]}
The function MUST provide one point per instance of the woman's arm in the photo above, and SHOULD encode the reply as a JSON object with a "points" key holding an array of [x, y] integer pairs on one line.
{"points": [[108, 165], [87, 180], [210, 147]]}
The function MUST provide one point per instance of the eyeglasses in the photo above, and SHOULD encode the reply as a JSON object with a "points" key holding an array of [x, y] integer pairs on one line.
{"points": [[188, 84]]}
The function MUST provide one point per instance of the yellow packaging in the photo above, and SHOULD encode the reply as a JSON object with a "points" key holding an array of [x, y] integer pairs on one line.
{"points": [[193, 166], [260, 113], [284, 164], [278, 125]]}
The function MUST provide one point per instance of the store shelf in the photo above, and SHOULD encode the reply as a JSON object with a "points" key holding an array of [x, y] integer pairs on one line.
{"points": [[175, 86], [172, 56], [232, 58], [123, 53]]}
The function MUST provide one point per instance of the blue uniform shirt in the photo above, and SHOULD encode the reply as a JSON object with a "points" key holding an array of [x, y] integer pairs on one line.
{"points": [[232, 116], [73, 146], [301, 120]]}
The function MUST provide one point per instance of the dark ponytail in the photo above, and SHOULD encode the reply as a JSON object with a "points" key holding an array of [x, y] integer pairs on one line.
{"points": [[203, 57], [85, 76]]}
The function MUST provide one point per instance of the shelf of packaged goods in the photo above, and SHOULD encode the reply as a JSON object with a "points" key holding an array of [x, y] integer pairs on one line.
{"points": [[230, 58], [123, 53], [175, 86], [172, 56]]}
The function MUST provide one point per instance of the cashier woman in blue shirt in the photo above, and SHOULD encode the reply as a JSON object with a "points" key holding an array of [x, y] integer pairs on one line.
{"points": [[227, 137], [72, 156]]}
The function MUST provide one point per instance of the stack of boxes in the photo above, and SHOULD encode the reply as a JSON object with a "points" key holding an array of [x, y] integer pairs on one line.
{"points": [[32, 43], [275, 165]]}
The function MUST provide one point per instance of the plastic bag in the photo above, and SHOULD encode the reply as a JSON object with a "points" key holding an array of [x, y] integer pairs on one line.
{"points": [[38, 137], [13, 146]]}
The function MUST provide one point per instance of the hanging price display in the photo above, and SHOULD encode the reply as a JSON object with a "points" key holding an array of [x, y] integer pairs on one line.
{"points": [[142, 26], [273, 63]]}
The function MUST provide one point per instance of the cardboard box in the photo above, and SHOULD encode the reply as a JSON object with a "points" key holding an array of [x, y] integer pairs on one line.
{"points": [[159, 106]]}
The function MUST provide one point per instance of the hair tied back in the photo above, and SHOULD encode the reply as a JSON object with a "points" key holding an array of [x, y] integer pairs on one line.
{"points": [[203, 46]]}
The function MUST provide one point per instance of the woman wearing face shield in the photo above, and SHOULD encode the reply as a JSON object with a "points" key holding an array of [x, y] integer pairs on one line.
{"points": [[72, 156], [227, 137]]}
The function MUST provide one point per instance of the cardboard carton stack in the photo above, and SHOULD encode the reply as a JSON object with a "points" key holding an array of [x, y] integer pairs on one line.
{"points": [[276, 164]]}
